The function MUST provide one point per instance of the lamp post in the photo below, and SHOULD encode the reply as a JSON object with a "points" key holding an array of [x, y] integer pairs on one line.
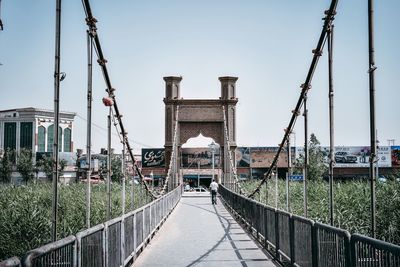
{"points": [[198, 173], [213, 147], [152, 179]]}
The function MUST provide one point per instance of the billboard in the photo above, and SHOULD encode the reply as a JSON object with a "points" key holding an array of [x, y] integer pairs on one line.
{"points": [[262, 157], [355, 156], [153, 157], [395, 150], [243, 157], [192, 157]]}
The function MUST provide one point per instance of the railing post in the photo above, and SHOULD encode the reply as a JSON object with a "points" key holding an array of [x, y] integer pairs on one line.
{"points": [[143, 220], [265, 226], [134, 237], [314, 246], [276, 234], [105, 248], [123, 240], [105, 244], [292, 241], [353, 252], [78, 251]]}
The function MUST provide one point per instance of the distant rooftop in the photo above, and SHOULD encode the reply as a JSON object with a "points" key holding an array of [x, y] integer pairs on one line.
{"points": [[32, 109], [34, 112]]}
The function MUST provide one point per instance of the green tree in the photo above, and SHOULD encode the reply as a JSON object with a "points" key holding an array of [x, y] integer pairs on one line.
{"points": [[24, 164], [316, 163], [6, 164], [46, 165], [116, 170]]}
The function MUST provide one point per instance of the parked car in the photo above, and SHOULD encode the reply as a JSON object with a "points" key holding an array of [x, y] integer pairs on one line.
{"points": [[199, 189], [94, 179], [345, 157]]}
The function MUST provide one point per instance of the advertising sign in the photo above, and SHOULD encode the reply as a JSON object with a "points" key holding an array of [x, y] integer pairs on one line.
{"points": [[243, 157], [395, 156], [192, 157], [296, 177], [355, 156], [153, 157], [262, 157]]}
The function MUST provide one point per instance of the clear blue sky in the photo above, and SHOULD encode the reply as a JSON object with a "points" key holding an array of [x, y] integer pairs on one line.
{"points": [[267, 44]]}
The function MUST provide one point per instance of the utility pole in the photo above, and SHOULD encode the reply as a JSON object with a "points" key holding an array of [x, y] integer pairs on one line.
{"points": [[213, 147], [305, 171], [331, 125], [133, 187], [123, 176], [89, 127], [276, 188], [56, 119], [109, 165], [289, 173], [371, 71], [198, 173]]}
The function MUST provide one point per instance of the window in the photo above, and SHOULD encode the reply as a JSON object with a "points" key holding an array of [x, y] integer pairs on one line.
{"points": [[10, 138], [67, 140], [25, 139], [41, 139], [50, 133], [50, 136]]}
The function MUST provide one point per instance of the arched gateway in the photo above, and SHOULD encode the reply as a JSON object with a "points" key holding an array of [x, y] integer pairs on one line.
{"points": [[205, 116]]}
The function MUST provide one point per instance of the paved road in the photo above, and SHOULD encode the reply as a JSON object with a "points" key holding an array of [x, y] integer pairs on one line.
{"points": [[200, 234]]}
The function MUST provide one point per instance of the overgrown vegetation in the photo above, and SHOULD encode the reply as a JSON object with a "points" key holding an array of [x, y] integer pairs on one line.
{"points": [[351, 198], [6, 163], [25, 213], [24, 164], [316, 165]]}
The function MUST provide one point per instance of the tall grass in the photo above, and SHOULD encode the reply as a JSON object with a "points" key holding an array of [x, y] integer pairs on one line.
{"points": [[25, 213], [351, 204]]}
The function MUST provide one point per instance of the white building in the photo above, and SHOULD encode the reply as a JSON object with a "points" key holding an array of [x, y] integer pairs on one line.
{"points": [[33, 128]]}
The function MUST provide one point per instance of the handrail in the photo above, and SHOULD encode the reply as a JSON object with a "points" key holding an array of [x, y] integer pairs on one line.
{"points": [[47, 250], [318, 244], [367, 251], [11, 262]]}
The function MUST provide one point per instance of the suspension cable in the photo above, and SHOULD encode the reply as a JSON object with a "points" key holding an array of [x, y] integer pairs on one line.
{"points": [[1, 22], [330, 15], [173, 154], [227, 151], [91, 22]]}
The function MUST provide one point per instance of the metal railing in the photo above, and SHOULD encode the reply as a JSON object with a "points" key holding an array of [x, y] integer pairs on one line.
{"points": [[372, 252], [331, 245], [59, 253], [11, 262], [114, 243], [298, 241]]}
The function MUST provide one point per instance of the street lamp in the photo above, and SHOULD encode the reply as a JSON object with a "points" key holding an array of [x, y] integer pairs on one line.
{"points": [[198, 173], [213, 147], [152, 179]]}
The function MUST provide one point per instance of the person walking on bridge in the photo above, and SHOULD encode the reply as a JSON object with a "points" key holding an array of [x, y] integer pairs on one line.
{"points": [[214, 190]]}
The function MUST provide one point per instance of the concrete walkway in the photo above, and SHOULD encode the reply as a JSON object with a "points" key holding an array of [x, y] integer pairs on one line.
{"points": [[200, 234]]}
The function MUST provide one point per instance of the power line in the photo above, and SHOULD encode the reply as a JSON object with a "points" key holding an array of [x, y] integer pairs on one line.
{"points": [[115, 134]]}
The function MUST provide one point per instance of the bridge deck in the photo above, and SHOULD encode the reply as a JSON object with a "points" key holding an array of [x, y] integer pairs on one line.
{"points": [[200, 234]]}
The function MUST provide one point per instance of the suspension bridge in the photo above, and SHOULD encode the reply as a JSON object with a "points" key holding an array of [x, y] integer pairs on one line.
{"points": [[184, 229]]}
